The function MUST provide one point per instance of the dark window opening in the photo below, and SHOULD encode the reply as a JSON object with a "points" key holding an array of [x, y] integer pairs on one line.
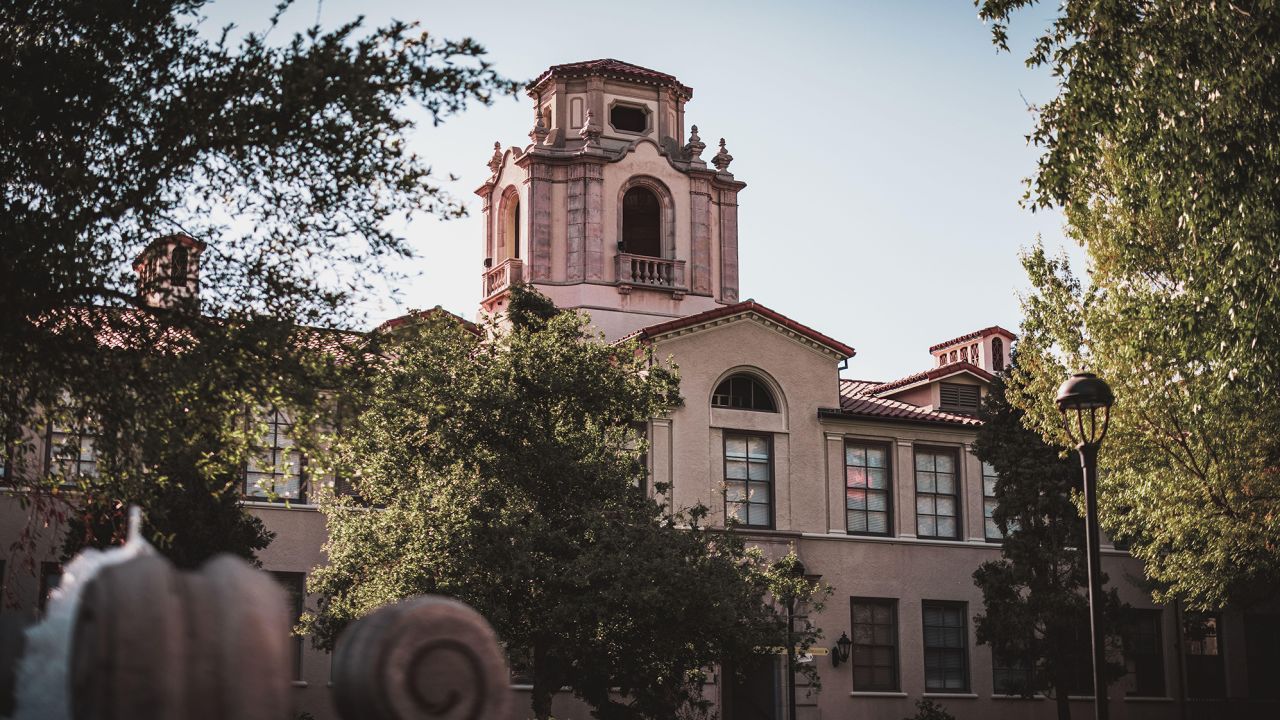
{"points": [[1143, 654], [628, 118], [178, 266], [997, 354], [743, 392], [946, 647], [1262, 655], [875, 644], [959, 398], [1206, 675], [641, 223]]}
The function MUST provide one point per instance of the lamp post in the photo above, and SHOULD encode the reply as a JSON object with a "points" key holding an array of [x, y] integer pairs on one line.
{"points": [[1085, 403], [797, 571]]}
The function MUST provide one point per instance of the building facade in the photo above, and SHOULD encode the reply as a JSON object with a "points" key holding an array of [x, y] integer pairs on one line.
{"points": [[611, 209]]}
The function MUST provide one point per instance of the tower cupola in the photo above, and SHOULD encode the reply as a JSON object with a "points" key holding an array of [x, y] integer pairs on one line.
{"points": [[168, 271], [610, 208]]}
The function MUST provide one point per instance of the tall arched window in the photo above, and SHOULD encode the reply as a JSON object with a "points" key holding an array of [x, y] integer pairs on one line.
{"points": [[178, 266], [509, 230], [743, 392], [641, 223], [997, 354]]}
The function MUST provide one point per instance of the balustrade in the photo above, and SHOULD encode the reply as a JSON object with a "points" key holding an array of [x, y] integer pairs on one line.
{"points": [[507, 273], [650, 271]]}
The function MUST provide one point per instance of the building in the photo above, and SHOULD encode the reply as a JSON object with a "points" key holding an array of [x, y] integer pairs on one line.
{"points": [[612, 210]]}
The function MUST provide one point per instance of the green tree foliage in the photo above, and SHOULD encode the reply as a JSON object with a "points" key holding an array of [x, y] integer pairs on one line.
{"points": [[502, 470], [1035, 608], [124, 122], [1163, 147]]}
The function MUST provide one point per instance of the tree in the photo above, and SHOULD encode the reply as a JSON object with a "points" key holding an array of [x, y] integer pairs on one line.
{"points": [[503, 471], [1163, 147], [1035, 613], [124, 123]]}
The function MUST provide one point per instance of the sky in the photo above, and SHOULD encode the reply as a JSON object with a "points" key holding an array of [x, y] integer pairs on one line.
{"points": [[883, 145]]}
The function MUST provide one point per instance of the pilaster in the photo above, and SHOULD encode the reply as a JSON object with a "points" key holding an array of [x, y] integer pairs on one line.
{"points": [[700, 234], [540, 179]]}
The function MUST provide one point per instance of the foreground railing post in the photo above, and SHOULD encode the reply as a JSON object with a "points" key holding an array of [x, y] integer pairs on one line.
{"points": [[422, 658]]}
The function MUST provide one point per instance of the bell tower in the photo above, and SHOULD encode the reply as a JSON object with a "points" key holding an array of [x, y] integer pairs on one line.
{"points": [[605, 210]]}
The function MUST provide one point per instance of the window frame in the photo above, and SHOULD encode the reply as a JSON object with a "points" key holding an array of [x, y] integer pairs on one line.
{"points": [[724, 457], [1195, 677], [75, 430], [1131, 623], [887, 447], [895, 683], [963, 607], [956, 496], [257, 449], [988, 511], [642, 107], [756, 382]]}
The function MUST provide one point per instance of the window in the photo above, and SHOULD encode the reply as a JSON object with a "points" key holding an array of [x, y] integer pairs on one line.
{"points": [[274, 471], [946, 657], [748, 478], [629, 118], [959, 398], [641, 222], [70, 451], [294, 584], [937, 501], [178, 266], [997, 354], [508, 243], [989, 503], [743, 392], [1262, 655], [1010, 675], [867, 497], [1202, 645], [1143, 655], [875, 644]]}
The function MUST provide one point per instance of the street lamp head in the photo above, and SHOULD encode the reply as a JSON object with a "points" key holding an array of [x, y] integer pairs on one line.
{"points": [[1085, 402]]}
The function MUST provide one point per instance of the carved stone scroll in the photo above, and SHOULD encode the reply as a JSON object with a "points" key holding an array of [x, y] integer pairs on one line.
{"points": [[424, 658], [151, 643]]}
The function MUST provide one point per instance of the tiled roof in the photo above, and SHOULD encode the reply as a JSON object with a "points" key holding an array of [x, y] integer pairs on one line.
{"points": [[415, 315], [746, 306], [934, 374], [994, 329], [857, 400], [610, 67]]}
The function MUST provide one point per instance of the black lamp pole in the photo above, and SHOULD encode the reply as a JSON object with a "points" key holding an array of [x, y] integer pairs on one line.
{"points": [[1085, 402]]}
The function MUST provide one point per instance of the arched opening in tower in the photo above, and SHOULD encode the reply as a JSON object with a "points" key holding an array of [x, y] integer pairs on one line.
{"points": [[641, 223]]}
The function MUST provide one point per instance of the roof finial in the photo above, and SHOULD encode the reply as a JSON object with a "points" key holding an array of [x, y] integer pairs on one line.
{"points": [[590, 131], [539, 132], [495, 162], [722, 158], [693, 149]]}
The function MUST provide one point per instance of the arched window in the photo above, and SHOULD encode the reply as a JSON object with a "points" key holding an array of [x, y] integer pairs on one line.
{"points": [[178, 266], [997, 354], [509, 231], [641, 222], [743, 392]]}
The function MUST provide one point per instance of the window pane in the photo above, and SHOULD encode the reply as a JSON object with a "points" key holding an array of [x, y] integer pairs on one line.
{"points": [[925, 482], [735, 446], [758, 470], [946, 484], [735, 469], [857, 521], [758, 515], [855, 455], [856, 499], [758, 448], [924, 461], [877, 501], [877, 478], [856, 476], [878, 522], [875, 457]]}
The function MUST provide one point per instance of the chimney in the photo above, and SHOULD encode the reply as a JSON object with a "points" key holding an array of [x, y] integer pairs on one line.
{"points": [[168, 272]]}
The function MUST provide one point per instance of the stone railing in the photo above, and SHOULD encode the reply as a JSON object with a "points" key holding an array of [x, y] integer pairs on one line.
{"points": [[646, 271], [507, 273]]}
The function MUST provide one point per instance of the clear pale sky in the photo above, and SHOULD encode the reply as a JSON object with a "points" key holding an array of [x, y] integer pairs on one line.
{"points": [[882, 143]]}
